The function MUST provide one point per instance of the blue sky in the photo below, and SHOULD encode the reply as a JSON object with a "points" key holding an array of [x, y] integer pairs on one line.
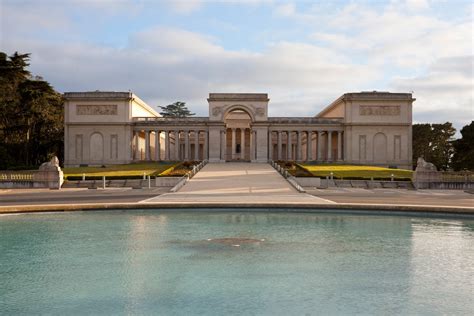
{"points": [[303, 53]]}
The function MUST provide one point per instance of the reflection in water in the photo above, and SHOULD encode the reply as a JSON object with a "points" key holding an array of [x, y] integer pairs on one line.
{"points": [[227, 263], [442, 262]]}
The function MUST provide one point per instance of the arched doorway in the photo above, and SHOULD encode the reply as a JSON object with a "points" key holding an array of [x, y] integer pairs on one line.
{"points": [[238, 135]]}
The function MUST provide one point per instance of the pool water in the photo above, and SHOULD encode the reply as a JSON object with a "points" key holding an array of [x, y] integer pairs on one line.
{"points": [[183, 263]]}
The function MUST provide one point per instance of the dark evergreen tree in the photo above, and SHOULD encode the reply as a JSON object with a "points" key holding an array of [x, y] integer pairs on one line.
{"points": [[31, 115], [433, 142], [177, 109], [464, 149]]}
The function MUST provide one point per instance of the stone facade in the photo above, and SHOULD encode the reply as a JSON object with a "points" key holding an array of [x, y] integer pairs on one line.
{"points": [[117, 127]]}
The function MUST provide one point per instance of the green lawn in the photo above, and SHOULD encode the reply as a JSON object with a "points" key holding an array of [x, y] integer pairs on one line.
{"points": [[355, 171], [135, 169]]}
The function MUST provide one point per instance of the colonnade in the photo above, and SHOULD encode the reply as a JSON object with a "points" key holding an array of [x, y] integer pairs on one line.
{"points": [[328, 145], [245, 137], [178, 144], [237, 144]]}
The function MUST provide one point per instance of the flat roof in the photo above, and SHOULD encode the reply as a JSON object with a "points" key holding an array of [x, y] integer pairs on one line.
{"points": [[98, 95], [368, 96], [238, 97]]}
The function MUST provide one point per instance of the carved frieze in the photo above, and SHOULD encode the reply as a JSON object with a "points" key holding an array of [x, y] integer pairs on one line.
{"points": [[260, 112], [216, 111], [103, 109], [379, 110]]}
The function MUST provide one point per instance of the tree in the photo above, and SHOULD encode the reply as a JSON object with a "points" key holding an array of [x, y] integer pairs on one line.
{"points": [[463, 157], [177, 109], [433, 142], [31, 115]]}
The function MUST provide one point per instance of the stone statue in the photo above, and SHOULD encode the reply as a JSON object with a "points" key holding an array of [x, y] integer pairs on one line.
{"points": [[53, 164], [422, 165]]}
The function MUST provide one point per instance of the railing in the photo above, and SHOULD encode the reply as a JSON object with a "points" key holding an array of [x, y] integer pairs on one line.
{"points": [[287, 176], [431, 179], [31, 179], [188, 176], [195, 119], [304, 120], [457, 176], [17, 176]]}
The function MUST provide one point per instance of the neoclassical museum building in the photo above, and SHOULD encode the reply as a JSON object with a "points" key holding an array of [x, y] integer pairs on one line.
{"points": [[372, 128]]}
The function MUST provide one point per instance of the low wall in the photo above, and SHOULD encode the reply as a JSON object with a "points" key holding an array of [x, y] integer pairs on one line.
{"points": [[308, 181], [52, 179], [443, 180], [166, 181], [445, 185], [130, 183], [362, 184]]}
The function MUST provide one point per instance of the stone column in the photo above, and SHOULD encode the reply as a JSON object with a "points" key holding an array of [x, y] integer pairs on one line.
{"points": [[329, 145], [320, 146], [339, 145], [242, 143], [205, 149], [186, 145], [255, 144], [167, 145], [196, 145], [252, 142], [288, 147], [176, 145], [157, 145], [279, 153], [233, 144], [147, 145], [137, 145], [298, 146], [223, 145], [270, 145], [309, 146]]}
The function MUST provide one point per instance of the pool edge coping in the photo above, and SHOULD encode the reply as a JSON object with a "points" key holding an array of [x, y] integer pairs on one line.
{"points": [[38, 208]]}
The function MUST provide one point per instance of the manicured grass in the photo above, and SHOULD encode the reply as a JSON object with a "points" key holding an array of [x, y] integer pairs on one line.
{"points": [[135, 169], [355, 171]]}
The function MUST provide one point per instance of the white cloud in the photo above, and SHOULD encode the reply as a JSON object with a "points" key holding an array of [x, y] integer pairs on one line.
{"points": [[445, 92], [417, 4], [164, 64], [185, 6], [287, 9], [351, 49], [190, 6]]}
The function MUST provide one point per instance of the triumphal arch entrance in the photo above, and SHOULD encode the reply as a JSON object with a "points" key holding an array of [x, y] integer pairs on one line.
{"points": [[241, 119]]}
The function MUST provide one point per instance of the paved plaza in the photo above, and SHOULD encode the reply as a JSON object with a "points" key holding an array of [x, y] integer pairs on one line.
{"points": [[238, 183]]}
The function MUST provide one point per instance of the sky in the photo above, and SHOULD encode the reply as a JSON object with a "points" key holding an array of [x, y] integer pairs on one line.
{"points": [[304, 54]]}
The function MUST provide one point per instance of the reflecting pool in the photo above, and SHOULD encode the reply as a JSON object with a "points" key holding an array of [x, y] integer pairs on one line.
{"points": [[168, 263]]}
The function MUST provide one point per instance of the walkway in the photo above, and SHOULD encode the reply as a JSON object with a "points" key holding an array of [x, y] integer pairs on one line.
{"points": [[252, 183]]}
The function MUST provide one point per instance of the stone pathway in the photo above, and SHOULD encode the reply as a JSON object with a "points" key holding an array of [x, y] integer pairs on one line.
{"points": [[253, 183]]}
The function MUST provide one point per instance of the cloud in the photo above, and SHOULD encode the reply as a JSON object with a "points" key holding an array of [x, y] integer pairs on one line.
{"points": [[189, 6], [444, 93], [417, 4], [349, 49], [164, 64], [185, 6]]}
